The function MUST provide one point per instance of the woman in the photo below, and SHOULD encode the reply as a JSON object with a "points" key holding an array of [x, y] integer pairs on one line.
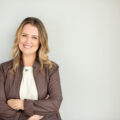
{"points": [[30, 83]]}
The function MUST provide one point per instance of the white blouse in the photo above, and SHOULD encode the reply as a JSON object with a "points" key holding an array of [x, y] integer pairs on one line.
{"points": [[28, 89]]}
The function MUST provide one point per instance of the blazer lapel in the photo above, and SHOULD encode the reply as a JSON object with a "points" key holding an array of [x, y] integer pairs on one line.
{"points": [[40, 80]]}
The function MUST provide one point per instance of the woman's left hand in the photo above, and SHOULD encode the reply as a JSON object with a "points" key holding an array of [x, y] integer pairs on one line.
{"points": [[16, 104], [35, 117]]}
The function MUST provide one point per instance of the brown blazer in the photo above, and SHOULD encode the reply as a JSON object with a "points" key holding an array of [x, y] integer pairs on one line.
{"points": [[47, 83]]}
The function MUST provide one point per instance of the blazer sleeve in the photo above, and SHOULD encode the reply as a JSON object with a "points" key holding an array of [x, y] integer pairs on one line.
{"points": [[52, 104], [5, 111]]}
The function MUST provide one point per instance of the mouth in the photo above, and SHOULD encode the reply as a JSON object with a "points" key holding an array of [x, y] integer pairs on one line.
{"points": [[27, 46]]}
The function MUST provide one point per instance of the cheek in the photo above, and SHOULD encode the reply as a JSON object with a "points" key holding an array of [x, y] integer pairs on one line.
{"points": [[36, 43], [21, 42]]}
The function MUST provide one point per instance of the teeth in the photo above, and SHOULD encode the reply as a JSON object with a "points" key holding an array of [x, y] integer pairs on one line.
{"points": [[27, 46]]}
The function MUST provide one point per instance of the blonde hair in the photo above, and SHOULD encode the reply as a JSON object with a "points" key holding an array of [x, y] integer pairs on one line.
{"points": [[43, 49]]}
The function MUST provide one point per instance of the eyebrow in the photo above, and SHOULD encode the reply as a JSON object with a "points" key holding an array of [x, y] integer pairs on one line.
{"points": [[28, 34]]}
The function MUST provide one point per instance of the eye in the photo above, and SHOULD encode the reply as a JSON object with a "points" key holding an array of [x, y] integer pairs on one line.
{"points": [[24, 35], [34, 37]]}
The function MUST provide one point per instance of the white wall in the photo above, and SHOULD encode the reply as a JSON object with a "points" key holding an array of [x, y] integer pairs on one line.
{"points": [[84, 39]]}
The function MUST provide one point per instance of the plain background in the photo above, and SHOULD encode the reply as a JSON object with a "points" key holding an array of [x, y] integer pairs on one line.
{"points": [[84, 39]]}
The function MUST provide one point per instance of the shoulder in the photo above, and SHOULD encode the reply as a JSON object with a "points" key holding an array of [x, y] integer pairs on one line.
{"points": [[54, 68], [7, 64], [55, 65]]}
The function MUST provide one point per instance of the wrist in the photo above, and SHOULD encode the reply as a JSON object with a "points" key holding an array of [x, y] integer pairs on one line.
{"points": [[22, 107]]}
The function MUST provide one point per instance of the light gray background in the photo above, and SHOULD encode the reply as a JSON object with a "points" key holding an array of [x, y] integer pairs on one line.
{"points": [[84, 39]]}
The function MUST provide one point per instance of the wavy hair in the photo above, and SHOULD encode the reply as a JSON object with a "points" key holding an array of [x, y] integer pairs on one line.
{"points": [[43, 49]]}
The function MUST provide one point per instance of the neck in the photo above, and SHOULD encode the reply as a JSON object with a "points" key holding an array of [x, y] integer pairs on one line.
{"points": [[28, 60]]}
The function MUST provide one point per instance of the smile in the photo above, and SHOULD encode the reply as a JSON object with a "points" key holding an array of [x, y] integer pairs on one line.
{"points": [[27, 46]]}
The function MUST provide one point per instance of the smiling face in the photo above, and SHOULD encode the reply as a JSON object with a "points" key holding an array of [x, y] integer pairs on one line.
{"points": [[29, 40]]}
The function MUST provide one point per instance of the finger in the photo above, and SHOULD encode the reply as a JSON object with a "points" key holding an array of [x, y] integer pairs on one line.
{"points": [[10, 103], [16, 107], [47, 96]]}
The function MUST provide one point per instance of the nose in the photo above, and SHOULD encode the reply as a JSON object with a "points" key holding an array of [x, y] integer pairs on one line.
{"points": [[28, 40]]}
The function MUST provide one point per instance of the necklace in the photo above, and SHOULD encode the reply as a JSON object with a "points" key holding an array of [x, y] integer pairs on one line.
{"points": [[26, 69]]}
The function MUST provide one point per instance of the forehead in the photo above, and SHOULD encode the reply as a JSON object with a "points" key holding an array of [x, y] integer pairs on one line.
{"points": [[30, 29]]}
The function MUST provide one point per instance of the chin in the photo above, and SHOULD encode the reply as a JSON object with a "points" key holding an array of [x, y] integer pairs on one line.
{"points": [[28, 53]]}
